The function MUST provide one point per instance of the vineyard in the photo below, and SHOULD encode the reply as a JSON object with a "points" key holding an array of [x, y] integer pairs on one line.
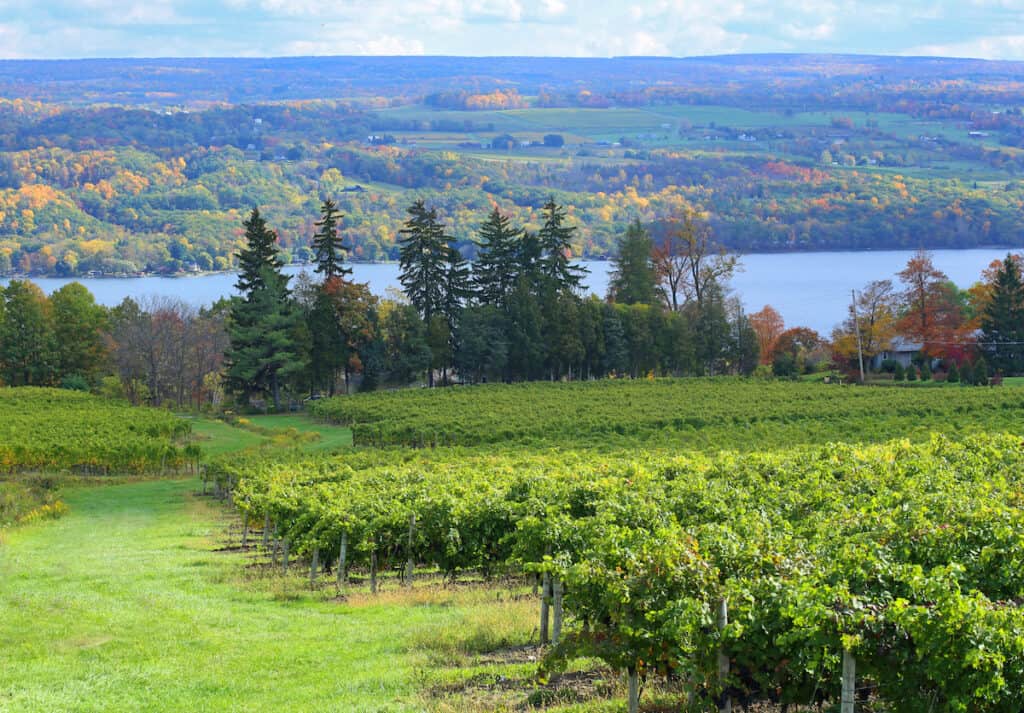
{"points": [[738, 577], [694, 414], [53, 429]]}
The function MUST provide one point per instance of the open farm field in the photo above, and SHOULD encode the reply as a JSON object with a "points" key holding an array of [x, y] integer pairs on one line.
{"points": [[690, 414]]}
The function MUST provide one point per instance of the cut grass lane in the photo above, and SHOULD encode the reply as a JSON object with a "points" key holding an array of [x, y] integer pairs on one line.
{"points": [[123, 605]]}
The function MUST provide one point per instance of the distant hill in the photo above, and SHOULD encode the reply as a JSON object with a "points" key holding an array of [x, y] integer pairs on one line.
{"points": [[237, 80]]}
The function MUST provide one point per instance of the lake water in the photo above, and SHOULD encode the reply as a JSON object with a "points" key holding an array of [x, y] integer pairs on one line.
{"points": [[808, 289]]}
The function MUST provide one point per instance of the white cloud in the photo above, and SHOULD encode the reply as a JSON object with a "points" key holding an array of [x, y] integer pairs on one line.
{"points": [[994, 47]]}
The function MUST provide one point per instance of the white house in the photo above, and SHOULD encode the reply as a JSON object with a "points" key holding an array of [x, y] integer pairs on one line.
{"points": [[900, 349]]}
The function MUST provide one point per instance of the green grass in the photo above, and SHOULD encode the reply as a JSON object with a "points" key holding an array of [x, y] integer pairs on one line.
{"points": [[217, 438], [123, 605]]}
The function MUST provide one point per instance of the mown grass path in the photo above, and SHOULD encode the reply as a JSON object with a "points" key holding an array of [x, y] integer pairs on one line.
{"points": [[124, 605]]}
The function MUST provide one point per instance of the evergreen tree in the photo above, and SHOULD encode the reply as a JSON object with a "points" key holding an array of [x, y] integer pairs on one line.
{"points": [[260, 252], [432, 272], [328, 246], [528, 266], [482, 353], [633, 280], [953, 376], [457, 285], [500, 258], [1002, 321], [555, 244], [423, 257], [265, 330], [712, 331], [981, 372], [615, 358]]}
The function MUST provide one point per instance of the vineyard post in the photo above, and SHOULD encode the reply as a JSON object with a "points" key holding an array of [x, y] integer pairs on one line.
{"points": [[410, 565], [373, 567], [634, 690], [556, 624], [284, 557], [245, 525], [723, 658], [342, 553], [545, 598], [848, 698], [313, 564], [266, 528]]}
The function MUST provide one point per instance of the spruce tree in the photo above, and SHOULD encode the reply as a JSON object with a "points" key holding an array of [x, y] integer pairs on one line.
{"points": [[633, 280], [260, 251], [265, 328], [328, 245], [422, 258], [498, 261], [1002, 321], [429, 268], [457, 285], [555, 243]]}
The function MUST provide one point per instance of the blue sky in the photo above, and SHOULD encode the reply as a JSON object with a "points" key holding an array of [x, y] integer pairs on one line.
{"points": [[992, 29]]}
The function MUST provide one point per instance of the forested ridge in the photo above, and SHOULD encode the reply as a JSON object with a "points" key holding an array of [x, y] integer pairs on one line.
{"points": [[803, 153]]}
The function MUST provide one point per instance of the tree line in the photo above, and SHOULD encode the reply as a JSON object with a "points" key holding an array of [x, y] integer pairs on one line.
{"points": [[517, 313]]}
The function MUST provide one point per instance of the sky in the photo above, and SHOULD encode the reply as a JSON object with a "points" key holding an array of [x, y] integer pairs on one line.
{"points": [[40, 29]]}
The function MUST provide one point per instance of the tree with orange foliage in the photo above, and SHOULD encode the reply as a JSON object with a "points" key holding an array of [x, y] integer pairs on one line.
{"points": [[768, 325], [932, 314]]}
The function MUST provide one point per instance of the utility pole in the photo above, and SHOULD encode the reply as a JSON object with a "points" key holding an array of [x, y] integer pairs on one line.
{"points": [[856, 329]]}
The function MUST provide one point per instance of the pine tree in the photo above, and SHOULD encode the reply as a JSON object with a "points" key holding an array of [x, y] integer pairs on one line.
{"points": [[500, 259], [328, 246], [1002, 321], [555, 244], [633, 280]]}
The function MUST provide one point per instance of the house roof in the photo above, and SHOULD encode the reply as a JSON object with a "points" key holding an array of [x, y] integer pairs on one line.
{"points": [[902, 344]]}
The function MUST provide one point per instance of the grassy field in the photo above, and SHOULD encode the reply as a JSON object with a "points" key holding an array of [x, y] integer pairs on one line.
{"points": [[126, 604], [217, 438]]}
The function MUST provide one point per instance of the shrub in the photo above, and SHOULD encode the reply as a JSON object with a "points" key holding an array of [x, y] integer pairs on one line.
{"points": [[953, 376]]}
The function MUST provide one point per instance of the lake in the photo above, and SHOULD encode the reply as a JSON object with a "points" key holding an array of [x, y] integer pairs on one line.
{"points": [[808, 289]]}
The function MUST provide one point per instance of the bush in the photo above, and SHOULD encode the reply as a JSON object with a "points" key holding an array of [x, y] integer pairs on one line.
{"points": [[898, 373], [784, 365], [763, 371], [967, 375], [74, 382], [911, 373], [981, 372], [926, 372], [953, 376], [889, 366]]}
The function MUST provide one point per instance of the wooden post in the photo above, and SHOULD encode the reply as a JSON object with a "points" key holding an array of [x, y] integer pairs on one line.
{"points": [[245, 530], [633, 694], [545, 598], [276, 546], [556, 624], [723, 659], [266, 529], [284, 556], [849, 694], [314, 563], [410, 565], [373, 568], [342, 554]]}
